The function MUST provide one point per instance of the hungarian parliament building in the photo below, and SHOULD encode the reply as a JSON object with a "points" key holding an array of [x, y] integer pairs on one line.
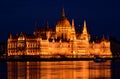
{"points": [[63, 40]]}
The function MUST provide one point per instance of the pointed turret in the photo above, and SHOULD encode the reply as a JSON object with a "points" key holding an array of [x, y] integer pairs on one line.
{"points": [[103, 38], [35, 29], [10, 36], [72, 22], [63, 13], [73, 36], [84, 28], [85, 35]]}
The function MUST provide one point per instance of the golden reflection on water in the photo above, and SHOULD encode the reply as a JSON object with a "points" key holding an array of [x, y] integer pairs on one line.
{"points": [[59, 70]]}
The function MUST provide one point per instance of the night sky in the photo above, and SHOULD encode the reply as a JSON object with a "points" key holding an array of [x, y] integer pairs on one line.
{"points": [[102, 16]]}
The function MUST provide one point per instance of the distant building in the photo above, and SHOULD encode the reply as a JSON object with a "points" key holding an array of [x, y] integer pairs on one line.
{"points": [[62, 41]]}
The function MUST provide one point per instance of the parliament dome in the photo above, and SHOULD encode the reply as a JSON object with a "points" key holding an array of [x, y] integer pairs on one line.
{"points": [[63, 21]]}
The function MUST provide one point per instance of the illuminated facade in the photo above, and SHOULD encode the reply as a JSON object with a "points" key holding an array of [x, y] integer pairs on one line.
{"points": [[63, 41]]}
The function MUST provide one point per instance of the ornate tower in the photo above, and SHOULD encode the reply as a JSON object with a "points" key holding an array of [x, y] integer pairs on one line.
{"points": [[85, 35], [73, 34], [83, 41], [63, 27]]}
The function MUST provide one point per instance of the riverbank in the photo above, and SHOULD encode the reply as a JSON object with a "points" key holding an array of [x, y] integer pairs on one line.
{"points": [[34, 58]]}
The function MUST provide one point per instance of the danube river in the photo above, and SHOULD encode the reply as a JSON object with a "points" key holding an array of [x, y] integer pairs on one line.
{"points": [[60, 70]]}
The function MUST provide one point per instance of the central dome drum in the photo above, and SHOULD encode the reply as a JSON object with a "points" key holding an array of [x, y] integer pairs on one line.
{"points": [[63, 22]]}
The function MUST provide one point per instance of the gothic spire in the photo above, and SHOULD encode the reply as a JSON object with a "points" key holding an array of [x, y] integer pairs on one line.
{"points": [[103, 38], [84, 27], [63, 13], [72, 22], [10, 35]]}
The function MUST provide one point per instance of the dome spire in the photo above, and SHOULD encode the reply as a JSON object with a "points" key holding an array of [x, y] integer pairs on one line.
{"points": [[63, 13]]}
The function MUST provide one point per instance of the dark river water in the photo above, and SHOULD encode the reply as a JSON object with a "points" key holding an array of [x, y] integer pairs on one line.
{"points": [[60, 70]]}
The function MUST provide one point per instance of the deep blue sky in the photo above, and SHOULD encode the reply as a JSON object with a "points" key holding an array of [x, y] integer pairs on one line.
{"points": [[102, 16]]}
